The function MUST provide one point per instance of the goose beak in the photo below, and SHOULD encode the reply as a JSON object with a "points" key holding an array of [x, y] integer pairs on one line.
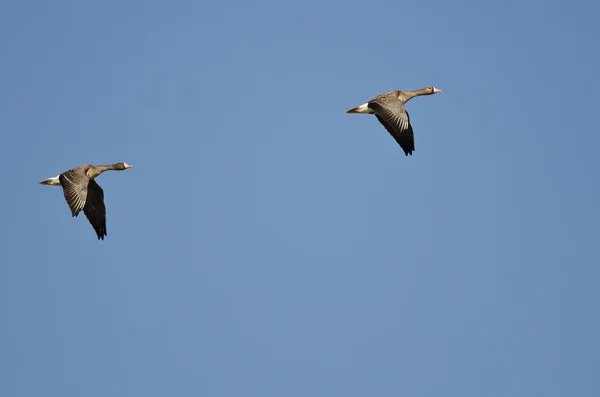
{"points": [[436, 90], [128, 166]]}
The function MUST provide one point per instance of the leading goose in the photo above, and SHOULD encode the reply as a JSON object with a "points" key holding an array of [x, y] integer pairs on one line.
{"points": [[83, 193], [389, 110]]}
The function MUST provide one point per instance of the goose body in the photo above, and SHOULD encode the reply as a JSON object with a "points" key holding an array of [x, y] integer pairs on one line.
{"points": [[83, 193], [389, 110]]}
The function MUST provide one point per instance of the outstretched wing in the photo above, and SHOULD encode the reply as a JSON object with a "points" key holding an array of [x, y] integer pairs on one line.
{"points": [[94, 208], [394, 117], [74, 183]]}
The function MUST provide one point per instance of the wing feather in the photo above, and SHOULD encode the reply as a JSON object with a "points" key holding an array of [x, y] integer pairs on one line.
{"points": [[74, 183], [95, 210], [394, 117]]}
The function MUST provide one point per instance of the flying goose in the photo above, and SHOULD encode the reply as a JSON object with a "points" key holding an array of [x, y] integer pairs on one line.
{"points": [[389, 110], [83, 193]]}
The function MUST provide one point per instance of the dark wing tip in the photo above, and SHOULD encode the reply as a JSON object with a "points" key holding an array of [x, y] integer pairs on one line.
{"points": [[100, 232], [408, 149]]}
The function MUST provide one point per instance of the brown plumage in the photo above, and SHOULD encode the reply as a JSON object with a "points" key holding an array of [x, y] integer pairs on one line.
{"points": [[83, 193], [389, 110]]}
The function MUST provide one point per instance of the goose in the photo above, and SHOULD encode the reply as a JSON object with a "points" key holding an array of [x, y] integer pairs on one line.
{"points": [[389, 110], [83, 193]]}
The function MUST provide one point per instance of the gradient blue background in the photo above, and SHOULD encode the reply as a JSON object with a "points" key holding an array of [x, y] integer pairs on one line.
{"points": [[266, 243]]}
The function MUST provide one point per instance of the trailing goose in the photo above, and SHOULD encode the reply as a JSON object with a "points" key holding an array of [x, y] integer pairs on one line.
{"points": [[389, 110], [83, 193]]}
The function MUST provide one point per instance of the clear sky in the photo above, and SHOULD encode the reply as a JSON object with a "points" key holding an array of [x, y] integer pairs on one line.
{"points": [[266, 244]]}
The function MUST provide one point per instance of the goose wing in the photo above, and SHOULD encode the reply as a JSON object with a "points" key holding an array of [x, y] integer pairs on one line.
{"points": [[94, 208], [393, 116], [75, 183]]}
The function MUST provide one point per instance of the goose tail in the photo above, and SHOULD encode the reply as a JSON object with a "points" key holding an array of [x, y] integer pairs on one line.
{"points": [[54, 181], [364, 108]]}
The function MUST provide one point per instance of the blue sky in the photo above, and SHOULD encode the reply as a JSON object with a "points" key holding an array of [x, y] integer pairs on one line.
{"points": [[268, 244]]}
